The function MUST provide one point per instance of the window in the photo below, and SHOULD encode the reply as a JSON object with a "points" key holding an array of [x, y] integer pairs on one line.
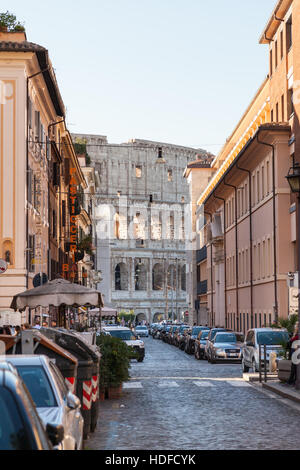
{"points": [[258, 187], [63, 213], [13, 434], [29, 185], [138, 171], [268, 177], [281, 45], [31, 253], [276, 54], [38, 385], [170, 175], [282, 108], [272, 115], [262, 182], [271, 63], [277, 112], [290, 102], [289, 39]]}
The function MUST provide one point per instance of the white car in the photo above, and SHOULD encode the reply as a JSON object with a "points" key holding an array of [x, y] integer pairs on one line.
{"points": [[126, 335], [141, 331], [255, 339], [54, 402]]}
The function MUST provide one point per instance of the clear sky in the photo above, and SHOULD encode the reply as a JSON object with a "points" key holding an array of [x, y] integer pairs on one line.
{"points": [[177, 71]]}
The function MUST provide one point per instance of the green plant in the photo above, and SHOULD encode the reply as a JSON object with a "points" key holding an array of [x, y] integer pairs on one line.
{"points": [[288, 323], [115, 361], [129, 317], [86, 244], [9, 21]]}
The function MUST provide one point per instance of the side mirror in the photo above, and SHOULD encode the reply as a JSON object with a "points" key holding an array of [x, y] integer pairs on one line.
{"points": [[55, 433], [73, 401]]}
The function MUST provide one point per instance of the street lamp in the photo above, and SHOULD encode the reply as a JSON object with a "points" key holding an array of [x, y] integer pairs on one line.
{"points": [[293, 178]]}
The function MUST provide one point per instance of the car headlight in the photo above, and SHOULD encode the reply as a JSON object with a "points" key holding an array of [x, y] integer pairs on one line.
{"points": [[220, 351]]}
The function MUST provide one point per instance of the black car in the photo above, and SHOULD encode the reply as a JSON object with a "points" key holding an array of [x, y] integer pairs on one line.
{"points": [[20, 425], [191, 338], [180, 336], [200, 343]]}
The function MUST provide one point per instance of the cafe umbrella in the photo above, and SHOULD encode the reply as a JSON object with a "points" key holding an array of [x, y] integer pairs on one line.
{"points": [[58, 293]]}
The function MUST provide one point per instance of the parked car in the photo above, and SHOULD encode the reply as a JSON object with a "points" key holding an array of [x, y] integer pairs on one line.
{"points": [[171, 335], [152, 327], [141, 331], [200, 344], [256, 337], [226, 346], [191, 338], [164, 333], [53, 400], [179, 336], [126, 335], [209, 343], [20, 425]]}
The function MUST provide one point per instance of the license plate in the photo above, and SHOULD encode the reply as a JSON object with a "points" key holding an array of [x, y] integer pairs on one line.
{"points": [[233, 355]]}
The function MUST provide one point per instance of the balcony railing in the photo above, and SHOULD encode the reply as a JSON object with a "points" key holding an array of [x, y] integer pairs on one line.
{"points": [[202, 288], [201, 254]]}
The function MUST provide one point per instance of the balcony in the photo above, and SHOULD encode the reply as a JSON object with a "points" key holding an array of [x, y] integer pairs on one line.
{"points": [[201, 255], [202, 288]]}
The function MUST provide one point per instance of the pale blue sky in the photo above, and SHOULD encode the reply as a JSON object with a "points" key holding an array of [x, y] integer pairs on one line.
{"points": [[177, 71]]}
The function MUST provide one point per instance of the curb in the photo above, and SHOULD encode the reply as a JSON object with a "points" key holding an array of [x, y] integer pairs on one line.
{"points": [[285, 394]]}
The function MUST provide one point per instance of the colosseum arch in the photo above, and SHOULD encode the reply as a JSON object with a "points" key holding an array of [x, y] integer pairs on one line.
{"points": [[121, 277], [158, 277], [140, 277]]}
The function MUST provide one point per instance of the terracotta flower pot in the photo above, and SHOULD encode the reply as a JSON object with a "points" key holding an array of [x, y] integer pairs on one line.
{"points": [[115, 392]]}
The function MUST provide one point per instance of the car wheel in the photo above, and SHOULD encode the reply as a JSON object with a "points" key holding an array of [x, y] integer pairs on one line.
{"points": [[197, 355], [245, 368], [254, 368], [213, 360]]}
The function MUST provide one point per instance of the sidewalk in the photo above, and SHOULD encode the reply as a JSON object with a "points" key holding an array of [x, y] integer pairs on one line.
{"points": [[283, 389]]}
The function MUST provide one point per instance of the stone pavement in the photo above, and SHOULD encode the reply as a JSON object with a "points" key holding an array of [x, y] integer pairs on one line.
{"points": [[174, 402]]}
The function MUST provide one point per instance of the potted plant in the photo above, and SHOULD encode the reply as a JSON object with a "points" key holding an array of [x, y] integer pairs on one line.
{"points": [[114, 366], [9, 23]]}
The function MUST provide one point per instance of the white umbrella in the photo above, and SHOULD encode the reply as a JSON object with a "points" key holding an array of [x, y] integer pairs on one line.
{"points": [[57, 293]]}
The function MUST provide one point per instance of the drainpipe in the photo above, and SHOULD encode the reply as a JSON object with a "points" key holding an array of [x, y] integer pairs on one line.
{"points": [[251, 242], [211, 271], [27, 165], [236, 250], [274, 224], [225, 261]]}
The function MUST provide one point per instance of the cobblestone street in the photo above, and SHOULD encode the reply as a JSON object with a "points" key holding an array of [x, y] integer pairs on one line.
{"points": [[175, 402]]}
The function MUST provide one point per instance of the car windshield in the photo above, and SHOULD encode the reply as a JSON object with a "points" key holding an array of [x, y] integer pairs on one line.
{"points": [[213, 333], [123, 334], [38, 385], [196, 330], [141, 328], [222, 338], [204, 335], [12, 431], [273, 338]]}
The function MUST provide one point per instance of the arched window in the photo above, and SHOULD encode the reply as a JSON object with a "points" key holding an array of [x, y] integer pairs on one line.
{"points": [[140, 277], [183, 278], [121, 277], [8, 257], [172, 278], [158, 277]]}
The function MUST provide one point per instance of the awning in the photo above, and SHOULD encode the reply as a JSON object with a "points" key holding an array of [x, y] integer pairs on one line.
{"points": [[57, 293]]}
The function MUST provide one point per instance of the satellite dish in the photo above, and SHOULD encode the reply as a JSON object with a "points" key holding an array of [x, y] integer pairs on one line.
{"points": [[40, 279]]}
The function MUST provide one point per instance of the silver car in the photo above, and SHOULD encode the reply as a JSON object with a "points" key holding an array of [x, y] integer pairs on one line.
{"points": [[227, 346], [141, 331], [54, 401]]}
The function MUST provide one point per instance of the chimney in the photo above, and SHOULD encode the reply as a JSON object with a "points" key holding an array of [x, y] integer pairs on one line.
{"points": [[12, 36]]}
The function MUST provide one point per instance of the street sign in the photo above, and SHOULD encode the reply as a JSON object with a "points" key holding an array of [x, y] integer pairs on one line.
{"points": [[3, 266]]}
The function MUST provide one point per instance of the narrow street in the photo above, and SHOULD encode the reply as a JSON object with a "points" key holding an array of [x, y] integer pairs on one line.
{"points": [[175, 402]]}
